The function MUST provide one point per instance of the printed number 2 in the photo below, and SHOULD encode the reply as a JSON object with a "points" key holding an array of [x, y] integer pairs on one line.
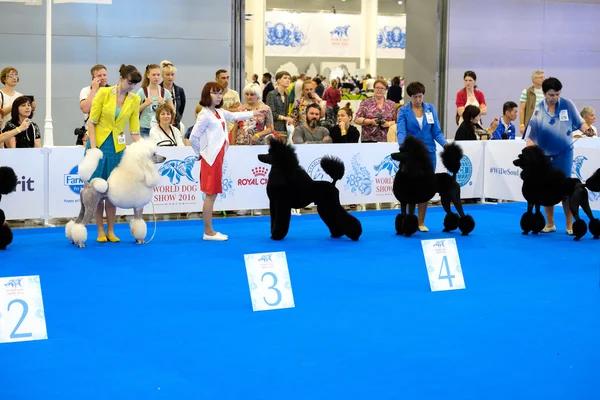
{"points": [[272, 287], [14, 334], [448, 275]]}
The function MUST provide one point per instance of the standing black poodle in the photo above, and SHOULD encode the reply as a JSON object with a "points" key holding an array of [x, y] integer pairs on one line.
{"points": [[290, 187], [8, 183], [416, 182], [544, 185]]}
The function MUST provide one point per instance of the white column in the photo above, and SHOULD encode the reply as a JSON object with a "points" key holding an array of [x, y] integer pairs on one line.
{"points": [[372, 37], [364, 16], [258, 38], [48, 129]]}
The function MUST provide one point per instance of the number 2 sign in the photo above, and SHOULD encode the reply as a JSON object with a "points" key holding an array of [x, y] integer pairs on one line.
{"points": [[269, 281], [443, 264], [21, 309]]}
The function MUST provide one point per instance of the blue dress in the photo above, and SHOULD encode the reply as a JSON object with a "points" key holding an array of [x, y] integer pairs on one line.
{"points": [[553, 133], [110, 158]]}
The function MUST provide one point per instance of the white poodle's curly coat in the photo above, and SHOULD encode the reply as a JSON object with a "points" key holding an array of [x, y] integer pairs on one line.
{"points": [[130, 185]]}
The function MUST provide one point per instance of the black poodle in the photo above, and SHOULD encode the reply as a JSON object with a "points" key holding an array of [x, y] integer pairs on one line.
{"points": [[290, 187], [416, 182], [544, 185], [8, 183]]}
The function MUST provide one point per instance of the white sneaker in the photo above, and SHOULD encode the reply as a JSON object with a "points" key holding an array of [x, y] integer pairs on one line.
{"points": [[570, 232], [241, 212], [423, 228], [548, 229], [295, 211], [257, 212], [219, 237]]}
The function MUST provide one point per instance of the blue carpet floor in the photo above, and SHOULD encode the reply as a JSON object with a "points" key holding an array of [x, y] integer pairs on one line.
{"points": [[173, 319]]}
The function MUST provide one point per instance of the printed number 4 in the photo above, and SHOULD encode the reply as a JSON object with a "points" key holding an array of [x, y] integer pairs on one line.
{"points": [[14, 334], [448, 275], [272, 287]]}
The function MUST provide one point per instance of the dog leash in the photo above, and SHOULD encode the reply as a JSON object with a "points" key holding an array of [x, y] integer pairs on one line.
{"points": [[153, 233]]}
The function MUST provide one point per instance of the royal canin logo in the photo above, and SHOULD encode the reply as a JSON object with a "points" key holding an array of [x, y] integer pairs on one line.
{"points": [[260, 177]]}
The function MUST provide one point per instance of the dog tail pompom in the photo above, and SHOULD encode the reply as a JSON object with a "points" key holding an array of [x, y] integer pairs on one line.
{"points": [[593, 182], [8, 180], [451, 157], [333, 166], [89, 164], [100, 185]]}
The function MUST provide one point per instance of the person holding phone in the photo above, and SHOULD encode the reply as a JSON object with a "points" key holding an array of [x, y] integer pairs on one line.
{"points": [[25, 134], [87, 94], [308, 97]]}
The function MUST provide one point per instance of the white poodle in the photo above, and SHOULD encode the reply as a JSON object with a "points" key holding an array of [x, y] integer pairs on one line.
{"points": [[130, 185]]}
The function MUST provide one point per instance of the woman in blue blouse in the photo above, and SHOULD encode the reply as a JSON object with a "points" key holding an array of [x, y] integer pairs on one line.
{"points": [[420, 119], [551, 128]]}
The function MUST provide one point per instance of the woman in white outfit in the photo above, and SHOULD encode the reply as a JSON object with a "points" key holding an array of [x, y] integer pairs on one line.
{"points": [[210, 141]]}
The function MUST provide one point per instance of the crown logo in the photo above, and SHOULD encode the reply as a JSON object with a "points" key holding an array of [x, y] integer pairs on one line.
{"points": [[260, 171]]}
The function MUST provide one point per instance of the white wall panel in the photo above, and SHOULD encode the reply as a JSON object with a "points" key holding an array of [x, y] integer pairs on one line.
{"points": [[195, 35]]}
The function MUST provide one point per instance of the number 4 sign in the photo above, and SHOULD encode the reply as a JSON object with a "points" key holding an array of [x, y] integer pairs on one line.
{"points": [[21, 309], [443, 264], [269, 281]]}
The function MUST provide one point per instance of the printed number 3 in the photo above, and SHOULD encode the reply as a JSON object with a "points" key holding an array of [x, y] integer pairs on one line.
{"points": [[272, 287], [448, 275], [14, 334]]}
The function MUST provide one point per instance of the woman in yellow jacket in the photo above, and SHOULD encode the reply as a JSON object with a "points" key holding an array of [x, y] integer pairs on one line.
{"points": [[112, 108]]}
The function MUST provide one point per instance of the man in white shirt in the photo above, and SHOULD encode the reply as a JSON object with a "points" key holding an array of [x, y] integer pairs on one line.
{"points": [[531, 97], [231, 98], [86, 96]]}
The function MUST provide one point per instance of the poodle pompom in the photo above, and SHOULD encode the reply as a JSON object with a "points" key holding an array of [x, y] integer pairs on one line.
{"points": [[6, 236], [451, 157], [69, 229], [99, 184], [89, 164], [398, 223], [137, 227], [333, 166], [579, 229], [410, 225], [594, 226], [78, 233], [466, 225], [527, 222], [451, 221], [593, 182], [8, 180]]}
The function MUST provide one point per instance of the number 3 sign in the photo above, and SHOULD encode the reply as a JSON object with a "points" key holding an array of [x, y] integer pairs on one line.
{"points": [[21, 309], [269, 281], [443, 264]]}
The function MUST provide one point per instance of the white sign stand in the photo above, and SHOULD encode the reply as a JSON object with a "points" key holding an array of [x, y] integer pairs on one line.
{"points": [[443, 264], [269, 281], [21, 310]]}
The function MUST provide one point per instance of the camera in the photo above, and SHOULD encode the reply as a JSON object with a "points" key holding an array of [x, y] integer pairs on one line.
{"points": [[80, 132]]}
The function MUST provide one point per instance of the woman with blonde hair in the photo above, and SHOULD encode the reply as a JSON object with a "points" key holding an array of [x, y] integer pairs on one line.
{"points": [[152, 95], [257, 129], [169, 73]]}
